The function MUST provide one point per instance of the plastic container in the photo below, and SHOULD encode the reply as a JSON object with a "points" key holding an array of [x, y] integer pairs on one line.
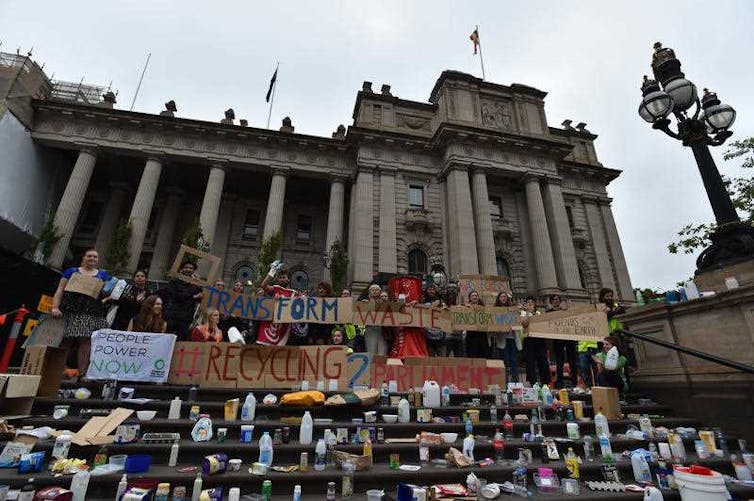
{"points": [[247, 432], [404, 411], [62, 446], [468, 447], [137, 463], [234, 465], [320, 455], [697, 483], [79, 485], [249, 408], [431, 394], [175, 408], [307, 427], [265, 449], [640, 467], [601, 425], [572, 430], [118, 460]]}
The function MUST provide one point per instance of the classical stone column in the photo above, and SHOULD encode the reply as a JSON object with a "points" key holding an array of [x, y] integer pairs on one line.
{"points": [[485, 240], [222, 231], [163, 246], [142, 209], [388, 248], [560, 234], [461, 235], [335, 216], [273, 220], [625, 290], [110, 219], [211, 205], [599, 242], [70, 204], [543, 258], [362, 252]]}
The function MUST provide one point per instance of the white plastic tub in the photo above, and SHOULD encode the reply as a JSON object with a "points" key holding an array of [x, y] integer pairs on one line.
{"points": [[697, 483]]}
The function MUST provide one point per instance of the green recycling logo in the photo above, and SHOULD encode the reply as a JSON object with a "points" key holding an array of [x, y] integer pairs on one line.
{"points": [[159, 364]]}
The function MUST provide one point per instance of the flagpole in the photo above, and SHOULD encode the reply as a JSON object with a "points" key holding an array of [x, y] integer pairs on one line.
{"points": [[138, 87], [481, 58], [272, 98]]}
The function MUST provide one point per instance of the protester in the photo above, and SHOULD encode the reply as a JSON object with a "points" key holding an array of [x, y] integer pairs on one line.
{"points": [[535, 349], [374, 335], [130, 302], [337, 338], [271, 333], [435, 337], [608, 374], [299, 332], [228, 321], [613, 309], [208, 330], [83, 313], [149, 318], [180, 300], [476, 342], [455, 342], [320, 333], [564, 350], [508, 343]]}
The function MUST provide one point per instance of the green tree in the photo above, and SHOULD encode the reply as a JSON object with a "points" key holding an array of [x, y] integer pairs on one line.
{"points": [[117, 254], [268, 252], [693, 237], [194, 236], [46, 240], [338, 266]]}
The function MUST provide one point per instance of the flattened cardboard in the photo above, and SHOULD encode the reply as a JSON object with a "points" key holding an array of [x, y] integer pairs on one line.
{"points": [[17, 394], [84, 284], [211, 275], [97, 430], [47, 362], [49, 332]]}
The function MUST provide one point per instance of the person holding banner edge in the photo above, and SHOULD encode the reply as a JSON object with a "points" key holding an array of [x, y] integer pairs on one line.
{"points": [[180, 301], [563, 349], [271, 333], [508, 344], [535, 349], [476, 342]]}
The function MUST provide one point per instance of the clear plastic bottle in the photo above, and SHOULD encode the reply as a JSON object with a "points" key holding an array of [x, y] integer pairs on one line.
{"points": [[121, 487], [265, 449], [508, 426], [606, 449], [249, 408], [297, 493], [320, 453], [499, 446], [469, 426], [493, 414], [307, 427], [80, 484], [404, 411], [346, 488], [572, 463], [423, 452], [588, 448], [175, 408]]}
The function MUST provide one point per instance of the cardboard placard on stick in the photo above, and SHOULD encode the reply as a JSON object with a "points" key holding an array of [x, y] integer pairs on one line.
{"points": [[484, 318], [488, 287], [197, 257], [401, 315], [587, 323]]}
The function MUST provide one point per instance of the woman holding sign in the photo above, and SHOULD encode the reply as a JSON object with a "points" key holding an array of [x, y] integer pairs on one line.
{"points": [[477, 345], [77, 301]]}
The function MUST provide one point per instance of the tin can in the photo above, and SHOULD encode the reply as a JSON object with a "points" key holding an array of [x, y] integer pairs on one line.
{"points": [[395, 460], [578, 408], [286, 434], [222, 434], [267, 490], [303, 462], [179, 493], [194, 413], [380, 435], [330, 491], [216, 463], [277, 437], [563, 396]]}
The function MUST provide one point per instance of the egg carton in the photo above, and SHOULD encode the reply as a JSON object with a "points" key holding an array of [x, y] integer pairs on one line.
{"points": [[606, 486], [160, 438]]}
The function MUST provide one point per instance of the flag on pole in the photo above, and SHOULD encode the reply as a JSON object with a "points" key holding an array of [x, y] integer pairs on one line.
{"points": [[272, 84], [475, 39]]}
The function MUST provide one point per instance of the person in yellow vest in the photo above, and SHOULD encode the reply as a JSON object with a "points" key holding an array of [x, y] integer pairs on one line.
{"points": [[587, 349]]}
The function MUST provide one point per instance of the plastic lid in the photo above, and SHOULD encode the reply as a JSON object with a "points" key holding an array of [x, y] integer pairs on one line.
{"points": [[695, 470]]}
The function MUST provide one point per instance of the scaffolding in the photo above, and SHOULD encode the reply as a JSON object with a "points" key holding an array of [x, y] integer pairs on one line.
{"points": [[77, 92]]}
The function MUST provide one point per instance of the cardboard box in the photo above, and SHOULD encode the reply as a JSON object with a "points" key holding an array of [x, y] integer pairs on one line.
{"points": [[47, 362], [606, 401], [17, 394], [97, 430]]}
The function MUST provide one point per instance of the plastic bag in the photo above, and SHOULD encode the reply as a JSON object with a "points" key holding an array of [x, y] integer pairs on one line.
{"points": [[611, 360]]}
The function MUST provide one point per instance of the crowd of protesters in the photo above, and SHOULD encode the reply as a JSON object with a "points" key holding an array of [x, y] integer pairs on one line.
{"points": [[175, 308]]}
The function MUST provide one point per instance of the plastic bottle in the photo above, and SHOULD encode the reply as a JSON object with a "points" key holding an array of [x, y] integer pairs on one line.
{"points": [[192, 393], [80, 484], [319, 455], [61, 447], [173, 454], [249, 408], [423, 452], [606, 449], [588, 448], [499, 446], [677, 448], [601, 425], [346, 485], [404, 411], [297, 493], [469, 426], [265, 449], [468, 447], [162, 493], [508, 425], [384, 394], [196, 493], [175, 408], [367, 449], [547, 397], [493, 414], [535, 428], [640, 467], [572, 429], [121, 487], [572, 463], [27, 491], [431, 394], [307, 427], [446, 395], [639, 298], [537, 391]]}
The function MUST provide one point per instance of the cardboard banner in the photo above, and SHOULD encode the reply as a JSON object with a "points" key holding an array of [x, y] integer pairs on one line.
{"points": [[485, 319], [401, 315], [48, 332], [318, 310], [130, 356], [586, 323], [488, 287], [239, 305], [465, 373]]}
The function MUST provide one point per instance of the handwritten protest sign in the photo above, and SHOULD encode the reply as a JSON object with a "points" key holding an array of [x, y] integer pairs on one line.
{"points": [[485, 319], [238, 305], [588, 323], [400, 315], [84, 284], [316, 310], [488, 287], [130, 356], [202, 260]]}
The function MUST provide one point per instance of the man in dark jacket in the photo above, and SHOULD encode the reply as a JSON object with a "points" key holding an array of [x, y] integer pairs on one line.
{"points": [[180, 299]]}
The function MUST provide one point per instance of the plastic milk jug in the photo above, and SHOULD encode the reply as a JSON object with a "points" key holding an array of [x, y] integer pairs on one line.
{"points": [[431, 394]]}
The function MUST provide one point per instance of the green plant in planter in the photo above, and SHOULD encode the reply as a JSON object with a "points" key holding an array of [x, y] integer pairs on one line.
{"points": [[118, 254], [194, 238], [268, 252], [338, 266], [46, 240]]}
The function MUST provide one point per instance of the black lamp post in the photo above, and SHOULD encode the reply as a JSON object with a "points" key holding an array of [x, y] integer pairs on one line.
{"points": [[670, 92]]}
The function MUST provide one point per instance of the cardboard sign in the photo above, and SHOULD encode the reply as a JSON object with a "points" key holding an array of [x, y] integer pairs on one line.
{"points": [[84, 284], [48, 332], [17, 394], [47, 362], [400, 315], [199, 256], [239, 305], [45, 304], [488, 287], [97, 430], [587, 323], [189, 363], [130, 356], [316, 310], [484, 318], [463, 372]]}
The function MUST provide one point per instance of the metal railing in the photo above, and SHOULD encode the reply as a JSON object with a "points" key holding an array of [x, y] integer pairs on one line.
{"points": [[690, 351]]}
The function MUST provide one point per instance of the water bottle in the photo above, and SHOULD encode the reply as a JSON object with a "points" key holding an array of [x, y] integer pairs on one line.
{"points": [[122, 485], [265, 449], [508, 426], [468, 447], [297, 493], [588, 448], [606, 449], [319, 455], [493, 414], [79, 485], [499, 446], [469, 428], [445, 396], [173, 460], [305, 432], [175, 408]]}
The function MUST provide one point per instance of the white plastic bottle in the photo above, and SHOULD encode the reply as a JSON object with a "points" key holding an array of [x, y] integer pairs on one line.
{"points": [[173, 454], [468, 447], [320, 453], [175, 408], [196, 493], [234, 494], [640, 467], [249, 408], [677, 448], [445, 396], [121, 487], [601, 425], [307, 427], [265, 449], [297, 493], [80, 484], [547, 397], [404, 411]]}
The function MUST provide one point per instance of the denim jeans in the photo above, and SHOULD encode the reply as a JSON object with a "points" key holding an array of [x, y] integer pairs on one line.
{"points": [[586, 364], [509, 354]]}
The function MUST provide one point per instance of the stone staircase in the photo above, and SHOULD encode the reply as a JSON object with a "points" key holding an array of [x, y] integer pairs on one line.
{"points": [[211, 401]]}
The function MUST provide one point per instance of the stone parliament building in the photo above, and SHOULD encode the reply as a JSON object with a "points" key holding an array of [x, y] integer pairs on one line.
{"points": [[474, 179]]}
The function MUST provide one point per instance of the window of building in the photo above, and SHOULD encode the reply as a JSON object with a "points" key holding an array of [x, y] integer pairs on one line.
{"points": [[304, 228], [90, 219], [496, 208], [416, 196], [246, 272], [417, 261], [503, 270], [569, 213], [251, 225]]}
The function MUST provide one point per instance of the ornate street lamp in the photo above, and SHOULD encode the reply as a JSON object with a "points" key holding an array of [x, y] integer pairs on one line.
{"points": [[708, 125]]}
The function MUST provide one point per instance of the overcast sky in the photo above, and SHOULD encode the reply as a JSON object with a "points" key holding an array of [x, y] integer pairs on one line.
{"points": [[588, 55]]}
